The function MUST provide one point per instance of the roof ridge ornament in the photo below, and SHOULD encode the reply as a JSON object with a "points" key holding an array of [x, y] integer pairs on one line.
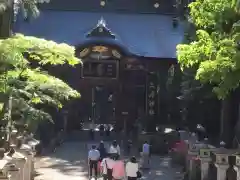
{"points": [[101, 22], [101, 30]]}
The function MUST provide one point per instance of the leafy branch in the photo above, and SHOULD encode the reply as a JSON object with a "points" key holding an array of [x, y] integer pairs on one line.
{"points": [[30, 86]]}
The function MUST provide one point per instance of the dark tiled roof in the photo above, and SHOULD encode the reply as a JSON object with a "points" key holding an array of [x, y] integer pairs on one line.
{"points": [[125, 6], [142, 34]]}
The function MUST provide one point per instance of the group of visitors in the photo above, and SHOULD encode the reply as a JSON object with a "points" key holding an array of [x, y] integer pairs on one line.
{"points": [[103, 129], [111, 166]]}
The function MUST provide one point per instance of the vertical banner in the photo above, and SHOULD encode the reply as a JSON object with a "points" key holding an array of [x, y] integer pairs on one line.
{"points": [[152, 95]]}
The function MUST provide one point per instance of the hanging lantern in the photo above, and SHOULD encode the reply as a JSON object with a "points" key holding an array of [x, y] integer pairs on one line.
{"points": [[156, 5], [110, 98], [102, 3]]}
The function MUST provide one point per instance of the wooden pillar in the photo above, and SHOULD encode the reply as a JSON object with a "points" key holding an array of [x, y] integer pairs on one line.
{"points": [[163, 95], [65, 121]]}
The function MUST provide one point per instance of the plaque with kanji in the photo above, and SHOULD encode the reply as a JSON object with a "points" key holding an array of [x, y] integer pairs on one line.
{"points": [[152, 95]]}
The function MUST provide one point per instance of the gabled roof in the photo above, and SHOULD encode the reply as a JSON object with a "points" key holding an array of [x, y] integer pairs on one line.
{"points": [[141, 34], [101, 30]]}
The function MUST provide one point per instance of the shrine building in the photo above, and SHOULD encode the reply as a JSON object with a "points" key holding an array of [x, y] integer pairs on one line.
{"points": [[127, 48]]}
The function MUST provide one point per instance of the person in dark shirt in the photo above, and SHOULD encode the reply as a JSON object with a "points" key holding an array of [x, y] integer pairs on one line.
{"points": [[91, 131], [129, 147], [101, 129], [108, 129], [102, 150]]}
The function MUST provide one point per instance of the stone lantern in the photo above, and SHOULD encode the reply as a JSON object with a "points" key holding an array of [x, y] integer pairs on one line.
{"points": [[222, 161], [13, 136], [205, 158]]}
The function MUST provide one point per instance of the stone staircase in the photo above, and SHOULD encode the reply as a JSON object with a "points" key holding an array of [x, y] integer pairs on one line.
{"points": [[84, 136]]}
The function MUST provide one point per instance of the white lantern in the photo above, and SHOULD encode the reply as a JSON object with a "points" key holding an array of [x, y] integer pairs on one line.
{"points": [[156, 5], [102, 3]]}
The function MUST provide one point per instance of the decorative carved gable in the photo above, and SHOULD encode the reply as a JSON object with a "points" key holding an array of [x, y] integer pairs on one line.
{"points": [[101, 30]]}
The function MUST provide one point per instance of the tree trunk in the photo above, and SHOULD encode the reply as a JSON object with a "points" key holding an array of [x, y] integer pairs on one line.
{"points": [[6, 21], [9, 119], [225, 127]]}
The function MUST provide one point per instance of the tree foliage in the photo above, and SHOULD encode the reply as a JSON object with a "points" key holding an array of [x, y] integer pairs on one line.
{"points": [[29, 85], [215, 52]]}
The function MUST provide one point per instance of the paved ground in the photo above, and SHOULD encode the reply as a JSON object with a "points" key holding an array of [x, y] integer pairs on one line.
{"points": [[70, 163]]}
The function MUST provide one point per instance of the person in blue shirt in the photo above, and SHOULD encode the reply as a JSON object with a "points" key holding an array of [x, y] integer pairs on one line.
{"points": [[93, 159], [145, 155]]}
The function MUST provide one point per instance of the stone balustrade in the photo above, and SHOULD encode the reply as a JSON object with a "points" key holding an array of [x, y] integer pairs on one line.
{"points": [[18, 162], [18, 159], [205, 162]]}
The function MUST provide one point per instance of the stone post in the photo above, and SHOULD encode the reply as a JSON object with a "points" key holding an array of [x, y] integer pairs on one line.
{"points": [[232, 170], [193, 159], [2, 151], [14, 172], [13, 139], [26, 150], [221, 156], [238, 165], [205, 160], [192, 152], [18, 159], [33, 143], [4, 175], [192, 155], [221, 170], [19, 142]]}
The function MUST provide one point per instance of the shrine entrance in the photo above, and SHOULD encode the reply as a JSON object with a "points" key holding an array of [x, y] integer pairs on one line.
{"points": [[103, 105], [116, 86]]}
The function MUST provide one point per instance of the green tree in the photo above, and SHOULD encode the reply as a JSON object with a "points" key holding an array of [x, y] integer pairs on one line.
{"points": [[9, 10], [27, 7], [214, 53], [23, 82]]}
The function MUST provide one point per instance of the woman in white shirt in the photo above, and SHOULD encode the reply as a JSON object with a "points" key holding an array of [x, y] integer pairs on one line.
{"points": [[114, 149], [132, 169], [107, 166]]}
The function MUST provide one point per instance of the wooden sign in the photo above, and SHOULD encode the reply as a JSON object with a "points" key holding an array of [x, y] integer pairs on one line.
{"points": [[99, 49], [152, 97], [100, 52]]}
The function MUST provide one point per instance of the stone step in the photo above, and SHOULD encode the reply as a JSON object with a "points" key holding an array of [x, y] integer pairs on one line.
{"points": [[85, 136]]}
